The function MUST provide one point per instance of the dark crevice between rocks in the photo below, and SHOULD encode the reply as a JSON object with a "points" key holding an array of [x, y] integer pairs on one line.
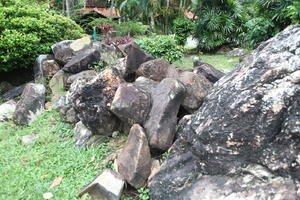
{"points": [[17, 77]]}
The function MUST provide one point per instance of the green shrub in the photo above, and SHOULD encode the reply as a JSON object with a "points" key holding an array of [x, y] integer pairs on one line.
{"points": [[161, 47], [182, 28], [258, 30], [27, 31]]}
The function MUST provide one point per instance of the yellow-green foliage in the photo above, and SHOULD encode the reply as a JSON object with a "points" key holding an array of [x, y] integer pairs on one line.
{"points": [[27, 31]]}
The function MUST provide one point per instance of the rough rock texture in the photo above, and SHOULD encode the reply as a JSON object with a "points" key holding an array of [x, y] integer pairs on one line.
{"points": [[251, 118], [135, 57], [7, 110], [50, 67], [160, 126], [29, 139], [92, 101], [236, 52], [197, 87], [134, 162], [57, 84], [13, 93], [108, 185], [38, 67], [207, 70], [81, 61], [145, 84], [31, 103], [87, 75], [71, 116], [62, 51], [131, 104], [157, 70]]}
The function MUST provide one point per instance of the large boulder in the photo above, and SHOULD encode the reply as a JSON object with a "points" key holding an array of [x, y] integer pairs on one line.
{"points": [[135, 57], [31, 104], [81, 61], [197, 87], [93, 99], [160, 126], [157, 70], [134, 162], [248, 124], [131, 104]]}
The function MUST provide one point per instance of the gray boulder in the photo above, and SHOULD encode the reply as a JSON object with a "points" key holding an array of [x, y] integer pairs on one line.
{"points": [[247, 125], [157, 70], [134, 162], [86, 75], [131, 104], [197, 88], [146, 84], [82, 60], [29, 139], [135, 57], [93, 99], [108, 185], [7, 110], [160, 126], [236, 52], [31, 104]]}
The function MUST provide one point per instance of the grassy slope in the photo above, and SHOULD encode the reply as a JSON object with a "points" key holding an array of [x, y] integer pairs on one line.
{"points": [[27, 171], [219, 61]]}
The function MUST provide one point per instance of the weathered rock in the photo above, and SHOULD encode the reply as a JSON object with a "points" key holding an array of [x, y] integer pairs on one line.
{"points": [[131, 104], [31, 103], [5, 86], [38, 67], [183, 69], [160, 126], [50, 67], [65, 50], [134, 162], [251, 117], [13, 93], [81, 135], [62, 105], [92, 101], [62, 51], [87, 75], [71, 116], [155, 167], [108, 185], [57, 84], [7, 110], [135, 57], [82, 60], [145, 84], [29, 139], [207, 70], [157, 70], [197, 88], [236, 52]]}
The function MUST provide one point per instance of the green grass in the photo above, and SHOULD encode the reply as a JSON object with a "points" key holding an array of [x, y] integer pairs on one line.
{"points": [[219, 61], [27, 171]]}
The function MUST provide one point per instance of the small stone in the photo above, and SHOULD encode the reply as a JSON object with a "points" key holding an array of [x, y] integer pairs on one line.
{"points": [[29, 139], [48, 106], [81, 135], [108, 185], [48, 195], [115, 134]]}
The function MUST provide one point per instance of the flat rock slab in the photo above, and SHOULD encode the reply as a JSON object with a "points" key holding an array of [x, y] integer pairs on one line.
{"points": [[31, 104], [108, 185], [160, 126], [134, 162]]}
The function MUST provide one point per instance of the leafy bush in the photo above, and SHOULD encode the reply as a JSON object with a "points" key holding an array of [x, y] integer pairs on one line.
{"points": [[27, 31], [161, 47], [182, 28], [219, 22], [258, 30]]}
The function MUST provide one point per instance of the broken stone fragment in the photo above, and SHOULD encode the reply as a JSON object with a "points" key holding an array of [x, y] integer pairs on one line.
{"points": [[31, 104], [134, 162], [131, 104], [160, 126], [108, 185]]}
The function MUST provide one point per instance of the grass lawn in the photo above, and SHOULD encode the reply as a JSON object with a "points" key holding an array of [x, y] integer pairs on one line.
{"points": [[27, 171], [219, 61]]}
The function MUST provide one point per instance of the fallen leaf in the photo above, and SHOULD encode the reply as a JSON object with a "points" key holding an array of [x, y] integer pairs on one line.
{"points": [[56, 182], [47, 195]]}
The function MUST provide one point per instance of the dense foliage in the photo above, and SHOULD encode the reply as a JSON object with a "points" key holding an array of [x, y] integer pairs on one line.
{"points": [[162, 47], [220, 22], [27, 31], [182, 28]]}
